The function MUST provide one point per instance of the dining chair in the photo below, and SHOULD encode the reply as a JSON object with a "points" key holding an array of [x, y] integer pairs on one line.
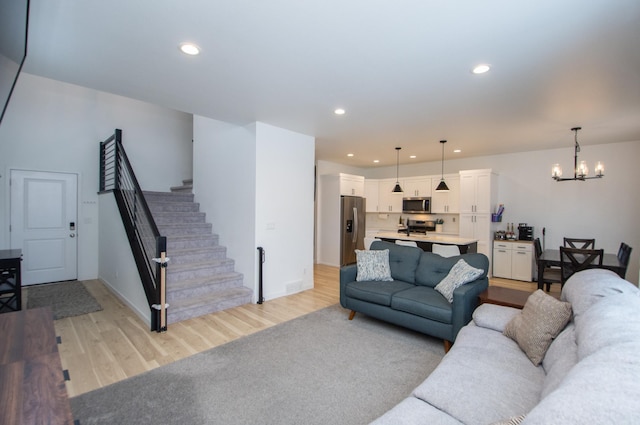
{"points": [[580, 243], [573, 260], [406, 243], [445, 250], [624, 254], [550, 274]]}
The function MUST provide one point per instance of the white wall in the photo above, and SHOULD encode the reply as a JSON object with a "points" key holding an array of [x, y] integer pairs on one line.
{"points": [[284, 208], [256, 185], [605, 209], [54, 126], [224, 176], [117, 268]]}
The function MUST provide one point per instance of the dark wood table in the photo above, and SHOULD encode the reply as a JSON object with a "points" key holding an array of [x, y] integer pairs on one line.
{"points": [[551, 257], [32, 388], [10, 280], [504, 296]]}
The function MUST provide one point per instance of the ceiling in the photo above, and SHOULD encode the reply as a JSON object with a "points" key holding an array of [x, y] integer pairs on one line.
{"points": [[401, 69]]}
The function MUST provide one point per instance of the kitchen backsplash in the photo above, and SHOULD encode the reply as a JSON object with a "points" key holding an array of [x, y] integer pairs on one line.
{"points": [[389, 221]]}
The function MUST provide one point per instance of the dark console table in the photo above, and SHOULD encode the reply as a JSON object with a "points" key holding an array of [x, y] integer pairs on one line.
{"points": [[10, 280]]}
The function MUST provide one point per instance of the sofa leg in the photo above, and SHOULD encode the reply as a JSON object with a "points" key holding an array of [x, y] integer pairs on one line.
{"points": [[447, 346], [352, 315]]}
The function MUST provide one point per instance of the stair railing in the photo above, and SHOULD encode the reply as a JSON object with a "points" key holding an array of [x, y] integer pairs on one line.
{"points": [[148, 246]]}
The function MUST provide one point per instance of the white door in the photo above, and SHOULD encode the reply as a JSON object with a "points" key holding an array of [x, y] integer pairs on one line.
{"points": [[44, 223]]}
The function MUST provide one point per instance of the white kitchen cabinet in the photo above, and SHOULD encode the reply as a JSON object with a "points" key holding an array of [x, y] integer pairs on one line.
{"points": [[502, 259], [388, 201], [417, 187], [446, 202], [513, 260], [477, 226], [351, 185], [478, 189], [371, 188]]}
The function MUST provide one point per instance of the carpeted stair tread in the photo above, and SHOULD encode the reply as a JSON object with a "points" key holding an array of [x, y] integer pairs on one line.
{"points": [[217, 301], [200, 277], [176, 217], [197, 287]]}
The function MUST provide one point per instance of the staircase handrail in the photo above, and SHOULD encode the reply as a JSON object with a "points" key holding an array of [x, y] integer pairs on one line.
{"points": [[148, 246]]}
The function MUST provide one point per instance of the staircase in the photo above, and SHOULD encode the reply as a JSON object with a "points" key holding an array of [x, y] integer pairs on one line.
{"points": [[200, 277]]}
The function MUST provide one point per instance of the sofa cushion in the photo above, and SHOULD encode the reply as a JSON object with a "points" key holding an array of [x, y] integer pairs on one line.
{"points": [[460, 273], [413, 411], [541, 320], [587, 287], [374, 291], [561, 356], [613, 321], [432, 268], [403, 260], [494, 317], [423, 301], [373, 265], [599, 389], [484, 378]]}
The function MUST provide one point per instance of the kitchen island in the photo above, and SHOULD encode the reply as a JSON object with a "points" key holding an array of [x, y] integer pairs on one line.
{"points": [[426, 241]]}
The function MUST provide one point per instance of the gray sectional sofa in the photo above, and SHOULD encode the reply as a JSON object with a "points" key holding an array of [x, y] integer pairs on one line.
{"points": [[410, 300], [590, 373]]}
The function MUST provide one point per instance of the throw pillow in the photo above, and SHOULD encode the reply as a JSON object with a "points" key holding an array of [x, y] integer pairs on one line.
{"points": [[514, 420], [459, 274], [373, 265], [542, 319]]}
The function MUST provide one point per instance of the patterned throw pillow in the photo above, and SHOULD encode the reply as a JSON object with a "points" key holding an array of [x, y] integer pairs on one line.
{"points": [[514, 420], [542, 319], [459, 274], [373, 265]]}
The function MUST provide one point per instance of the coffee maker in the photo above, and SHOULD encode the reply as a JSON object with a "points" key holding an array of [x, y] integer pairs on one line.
{"points": [[525, 233]]}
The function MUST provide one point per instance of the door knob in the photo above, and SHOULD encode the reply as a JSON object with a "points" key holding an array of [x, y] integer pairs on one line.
{"points": [[72, 235]]}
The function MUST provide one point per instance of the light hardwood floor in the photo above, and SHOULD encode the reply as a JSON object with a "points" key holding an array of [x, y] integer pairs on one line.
{"points": [[108, 346]]}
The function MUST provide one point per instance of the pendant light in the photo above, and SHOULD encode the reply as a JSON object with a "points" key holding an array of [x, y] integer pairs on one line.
{"points": [[397, 189], [442, 187], [580, 170]]}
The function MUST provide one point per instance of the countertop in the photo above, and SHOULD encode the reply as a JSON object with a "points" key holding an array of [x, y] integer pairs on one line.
{"points": [[429, 237]]}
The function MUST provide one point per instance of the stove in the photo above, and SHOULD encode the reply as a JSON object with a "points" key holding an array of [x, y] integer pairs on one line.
{"points": [[419, 226]]}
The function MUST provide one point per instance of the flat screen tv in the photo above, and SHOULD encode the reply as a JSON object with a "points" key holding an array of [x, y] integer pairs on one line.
{"points": [[14, 25]]}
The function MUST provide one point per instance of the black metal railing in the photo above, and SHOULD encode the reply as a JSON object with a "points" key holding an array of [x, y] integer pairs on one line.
{"points": [[147, 245]]}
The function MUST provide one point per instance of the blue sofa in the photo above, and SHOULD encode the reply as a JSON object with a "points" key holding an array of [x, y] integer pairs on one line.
{"points": [[410, 300]]}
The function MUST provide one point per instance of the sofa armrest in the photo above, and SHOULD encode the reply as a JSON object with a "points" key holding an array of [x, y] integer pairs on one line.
{"points": [[494, 317], [465, 301], [347, 274]]}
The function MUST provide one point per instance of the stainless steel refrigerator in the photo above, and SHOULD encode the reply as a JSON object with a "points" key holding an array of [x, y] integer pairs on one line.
{"points": [[352, 228]]}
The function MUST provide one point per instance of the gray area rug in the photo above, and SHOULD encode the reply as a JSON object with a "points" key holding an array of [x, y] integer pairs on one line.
{"points": [[317, 369], [66, 299]]}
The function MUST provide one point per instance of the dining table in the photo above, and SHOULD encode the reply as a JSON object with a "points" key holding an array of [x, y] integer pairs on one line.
{"points": [[551, 257]]}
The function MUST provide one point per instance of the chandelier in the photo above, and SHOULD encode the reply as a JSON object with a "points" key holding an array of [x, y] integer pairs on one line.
{"points": [[580, 170]]}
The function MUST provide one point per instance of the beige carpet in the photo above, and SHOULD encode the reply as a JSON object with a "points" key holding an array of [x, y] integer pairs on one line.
{"points": [[318, 369]]}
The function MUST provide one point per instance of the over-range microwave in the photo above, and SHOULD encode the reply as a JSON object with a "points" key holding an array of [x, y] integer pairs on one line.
{"points": [[421, 205]]}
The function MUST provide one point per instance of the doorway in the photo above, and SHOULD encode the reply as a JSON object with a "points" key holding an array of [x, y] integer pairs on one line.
{"points": [[43, 224]]}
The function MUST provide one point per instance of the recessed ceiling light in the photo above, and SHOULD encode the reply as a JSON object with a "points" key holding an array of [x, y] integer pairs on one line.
{"points": [[339, 111], [189, 49], [349, 154], [412, 157], [457, 150], [481, 69], [376, 160]]}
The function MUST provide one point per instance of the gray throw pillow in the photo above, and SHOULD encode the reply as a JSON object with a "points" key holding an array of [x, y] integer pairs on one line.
{"points": [[542, 319], [460, 273], [373, 265]]}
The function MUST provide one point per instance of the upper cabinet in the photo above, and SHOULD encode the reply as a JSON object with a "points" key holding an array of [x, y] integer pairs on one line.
{"points": [[351, 185], [371, 188], [477, 191], [417, 187], [446, 202], [388, 201]]}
